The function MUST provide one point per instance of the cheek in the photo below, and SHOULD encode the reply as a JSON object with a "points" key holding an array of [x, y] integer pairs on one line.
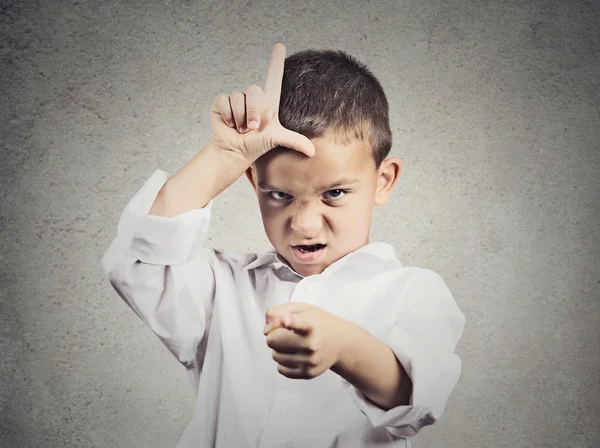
{"points": [[355, 219], [273, 219]]}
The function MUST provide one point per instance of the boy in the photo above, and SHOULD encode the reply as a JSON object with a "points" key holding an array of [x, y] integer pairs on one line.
{"points": [[375, 340]]}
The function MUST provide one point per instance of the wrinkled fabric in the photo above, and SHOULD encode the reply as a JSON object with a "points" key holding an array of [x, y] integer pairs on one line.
{"points": [[208, 308]]}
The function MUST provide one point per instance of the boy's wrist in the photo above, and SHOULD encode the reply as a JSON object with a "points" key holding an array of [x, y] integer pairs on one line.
{"points": [[229, 161], [205, 176], [371, 366], [348, 337]]}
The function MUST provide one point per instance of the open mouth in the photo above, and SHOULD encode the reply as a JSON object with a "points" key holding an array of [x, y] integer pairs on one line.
{"points": [[308, 253], [309, 249]]}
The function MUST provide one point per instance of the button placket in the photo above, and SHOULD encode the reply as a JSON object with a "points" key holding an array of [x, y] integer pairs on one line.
{"points": [[283, 414], [304, 293], [309, 292]]}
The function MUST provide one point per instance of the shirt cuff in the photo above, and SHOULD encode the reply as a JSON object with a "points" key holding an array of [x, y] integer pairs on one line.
{"points": [[433, 376], [157, 239]]}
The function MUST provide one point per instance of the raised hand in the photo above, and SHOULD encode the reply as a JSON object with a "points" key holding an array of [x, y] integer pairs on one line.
{"points": [[247, 123]]}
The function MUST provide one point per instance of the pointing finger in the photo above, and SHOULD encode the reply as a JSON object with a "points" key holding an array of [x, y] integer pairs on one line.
{"points": [[297, 322], [274, 78], [275, 316], [272, 324]]}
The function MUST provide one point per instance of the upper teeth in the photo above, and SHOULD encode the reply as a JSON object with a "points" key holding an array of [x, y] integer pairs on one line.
{"points": [[309, 247]]}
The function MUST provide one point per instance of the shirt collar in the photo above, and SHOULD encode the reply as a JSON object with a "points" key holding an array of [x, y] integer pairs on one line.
{"points": [[364, 254], [266, 259]]}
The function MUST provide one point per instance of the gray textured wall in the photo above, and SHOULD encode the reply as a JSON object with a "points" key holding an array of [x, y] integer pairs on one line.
{"points": [[495, 109]]}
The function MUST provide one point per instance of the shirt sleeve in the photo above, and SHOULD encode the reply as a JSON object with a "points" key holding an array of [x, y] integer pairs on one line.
{"points": [[159, 267], [423, 338]]}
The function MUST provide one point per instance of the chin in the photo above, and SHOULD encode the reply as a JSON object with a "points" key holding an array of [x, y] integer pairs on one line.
{"points": [[309, 270]]}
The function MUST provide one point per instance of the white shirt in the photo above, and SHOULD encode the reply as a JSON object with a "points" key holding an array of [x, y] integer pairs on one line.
{"points": [[208, 308]]}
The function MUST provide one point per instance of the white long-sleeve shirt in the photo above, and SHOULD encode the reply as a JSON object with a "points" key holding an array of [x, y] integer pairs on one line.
{"points": [[208, 308]]}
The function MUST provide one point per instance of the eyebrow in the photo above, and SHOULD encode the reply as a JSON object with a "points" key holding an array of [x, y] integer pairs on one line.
{"points": [[344, 181]]}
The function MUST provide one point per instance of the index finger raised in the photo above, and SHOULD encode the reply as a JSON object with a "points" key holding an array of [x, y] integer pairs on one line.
{"points": [[275, 77]]}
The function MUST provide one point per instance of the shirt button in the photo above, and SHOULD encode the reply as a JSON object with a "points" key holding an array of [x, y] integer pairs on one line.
{"points": [[308, 287]]}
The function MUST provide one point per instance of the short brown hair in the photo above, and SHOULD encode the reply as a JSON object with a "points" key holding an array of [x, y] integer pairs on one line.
{"points": [[329, 90]]}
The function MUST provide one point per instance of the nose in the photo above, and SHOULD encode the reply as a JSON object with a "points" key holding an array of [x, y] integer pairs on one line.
{"points": [[307, 221]]}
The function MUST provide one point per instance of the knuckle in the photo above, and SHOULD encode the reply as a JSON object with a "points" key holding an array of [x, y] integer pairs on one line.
{"points": [[252, 111], [218, 102], [222, 106], [272, 115], [313, 346], [254, 89], [237, 96], [313, 361]]}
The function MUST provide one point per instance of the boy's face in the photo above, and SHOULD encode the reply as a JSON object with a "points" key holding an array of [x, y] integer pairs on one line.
{"points": [[325, 200]]}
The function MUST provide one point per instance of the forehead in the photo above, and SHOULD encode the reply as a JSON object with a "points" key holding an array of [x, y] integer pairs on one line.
{"points": [[334, 159]]}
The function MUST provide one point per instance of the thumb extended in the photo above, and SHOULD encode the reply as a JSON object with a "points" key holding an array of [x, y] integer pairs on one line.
{"points": [[293, 140]]}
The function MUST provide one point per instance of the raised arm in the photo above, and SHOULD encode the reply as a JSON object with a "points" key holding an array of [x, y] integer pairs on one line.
{"points": [[244, 127], [157, 262]]}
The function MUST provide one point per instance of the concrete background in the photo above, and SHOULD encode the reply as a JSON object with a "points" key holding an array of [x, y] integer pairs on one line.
{"points": [[495, 113]]}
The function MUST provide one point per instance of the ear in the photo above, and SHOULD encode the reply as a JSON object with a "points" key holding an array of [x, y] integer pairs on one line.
{"points": [[251, 175], [387, 175]]}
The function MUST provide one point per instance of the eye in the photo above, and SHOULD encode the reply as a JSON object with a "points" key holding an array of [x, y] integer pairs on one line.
{"points": [[279, 196], [336, 194]]}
